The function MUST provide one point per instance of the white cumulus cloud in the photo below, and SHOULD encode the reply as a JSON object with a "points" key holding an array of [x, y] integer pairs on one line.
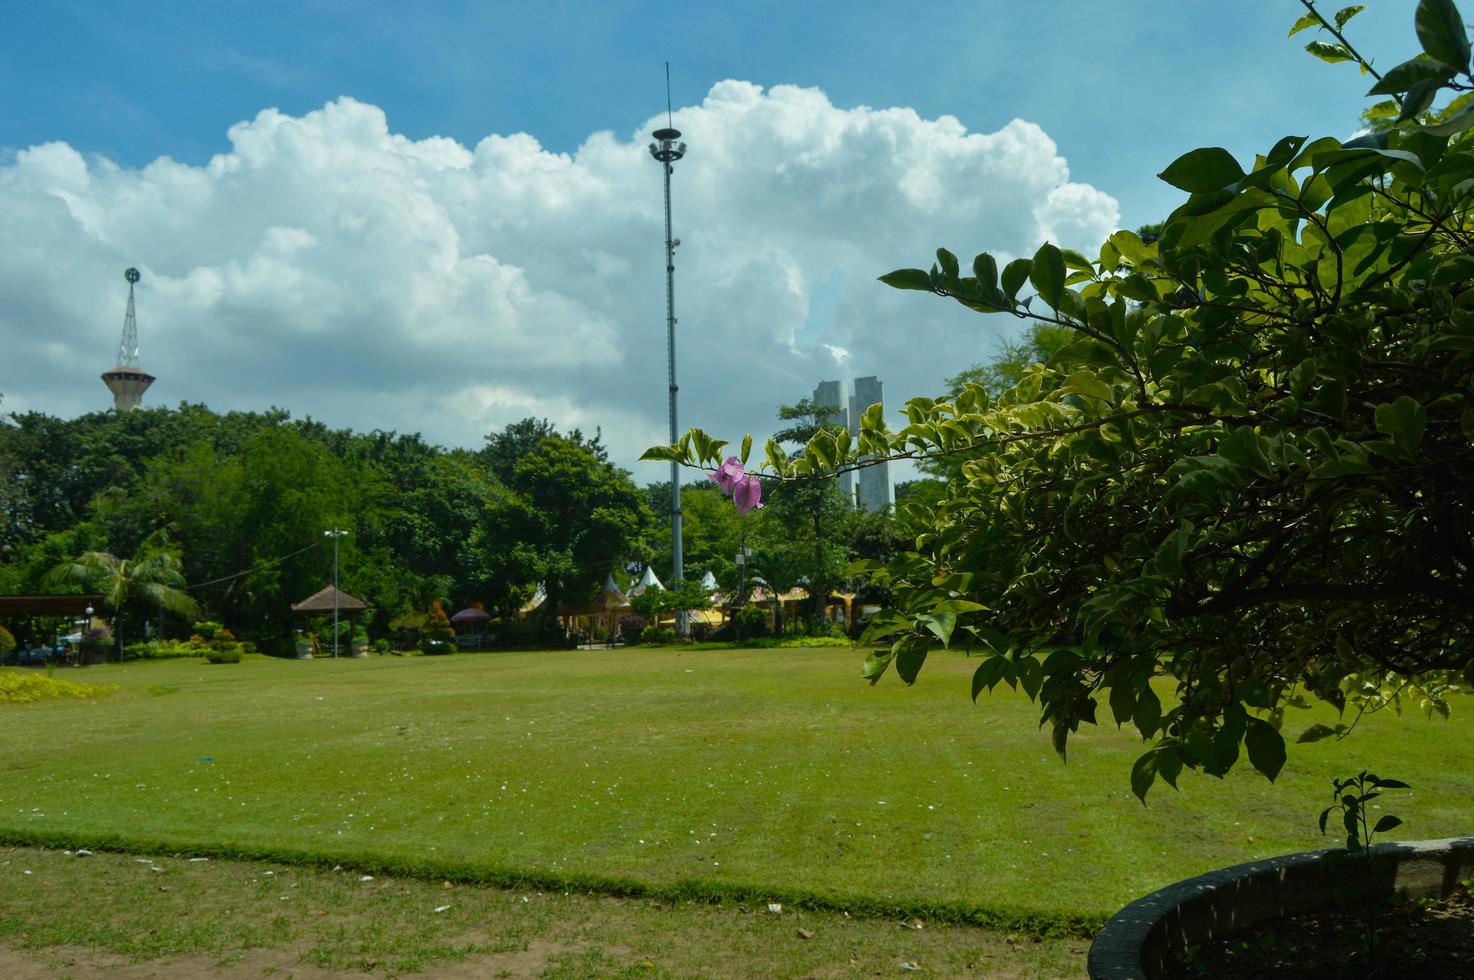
{"points": [[329, 265]]}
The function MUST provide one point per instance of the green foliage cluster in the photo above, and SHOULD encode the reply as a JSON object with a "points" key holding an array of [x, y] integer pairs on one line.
{"points": [[24, 686], [1250, 469], [7, 641], [245, 498], [688, 595]]}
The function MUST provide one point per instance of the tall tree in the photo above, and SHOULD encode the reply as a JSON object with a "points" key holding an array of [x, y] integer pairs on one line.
{"points": [[1250, 472], [568, 519], [818, 506], [132, 587]]}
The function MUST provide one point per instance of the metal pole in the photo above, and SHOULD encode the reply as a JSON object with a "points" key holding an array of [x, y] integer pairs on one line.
{"points": [[335, 534], [677, 558], [335, 597]]}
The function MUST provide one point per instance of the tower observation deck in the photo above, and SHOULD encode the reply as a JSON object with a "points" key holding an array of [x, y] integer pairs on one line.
{"points": [[127, 381]]}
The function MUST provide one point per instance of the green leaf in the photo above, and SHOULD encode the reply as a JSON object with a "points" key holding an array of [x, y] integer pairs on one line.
{"points": [[985, 267], [1087, 384], [1441, 33], [1346, 13], [959, 606], [1306, 20], [1409, 73], [1318, 731], [746, 448], [1418, 98], [1386, 824], [1143, 774], [1403, 420], [1015, 274], [1202, 474], [1130, 246], [1148, 712], [1328, 52], [948, 262], [941, 624], [1244, 447], [1454, 124], [1030, 675], [1325, 815], [910, 652], [1266, 747], [1205, 169], [669, 454], [908, 279], [1122, 701], [777, 459], [1047, 273], [1390, 784], [988, 674], [875, 665]]}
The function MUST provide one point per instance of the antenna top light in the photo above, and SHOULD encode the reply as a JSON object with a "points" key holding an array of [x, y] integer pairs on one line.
{"points": [[132, 275], [666, 134]]}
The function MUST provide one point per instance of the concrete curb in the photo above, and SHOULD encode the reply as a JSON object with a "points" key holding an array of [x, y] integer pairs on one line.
{"points": [[1139, 941]]}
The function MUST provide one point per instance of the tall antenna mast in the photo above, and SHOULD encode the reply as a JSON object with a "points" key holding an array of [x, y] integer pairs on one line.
{"points": [[667, 150], [127, 381], [128, 346]]}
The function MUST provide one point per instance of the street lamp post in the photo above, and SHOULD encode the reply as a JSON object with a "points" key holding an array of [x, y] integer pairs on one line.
{"points": [[86, 625], [335, 534], [667, 149]]}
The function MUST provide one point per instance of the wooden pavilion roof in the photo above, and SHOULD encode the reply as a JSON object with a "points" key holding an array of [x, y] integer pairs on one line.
{"points": [[49, 605], [322, 602]]}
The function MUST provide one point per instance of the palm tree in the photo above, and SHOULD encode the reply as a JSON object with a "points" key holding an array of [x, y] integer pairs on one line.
{"points": [[151, 579]]}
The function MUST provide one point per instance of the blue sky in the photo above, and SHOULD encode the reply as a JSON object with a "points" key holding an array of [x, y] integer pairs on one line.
{"points": [[1121, 87], [336, 224]]}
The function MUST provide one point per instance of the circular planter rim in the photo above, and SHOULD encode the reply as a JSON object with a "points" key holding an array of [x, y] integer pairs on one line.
{"points": [[1116, 952]]}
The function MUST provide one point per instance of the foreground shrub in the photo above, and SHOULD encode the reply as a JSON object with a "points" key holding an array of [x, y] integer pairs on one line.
{"points": [[223, 655], [161, 650], [656, 635], [23, 687], [1248, 466], [796, 642], [630, 626]]}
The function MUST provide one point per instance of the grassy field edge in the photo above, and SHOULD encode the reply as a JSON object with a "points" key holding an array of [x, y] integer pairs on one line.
{"points": [[1050, 925]]}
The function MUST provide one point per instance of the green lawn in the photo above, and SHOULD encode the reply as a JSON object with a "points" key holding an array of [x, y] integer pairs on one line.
{"points": [[748, 773]]}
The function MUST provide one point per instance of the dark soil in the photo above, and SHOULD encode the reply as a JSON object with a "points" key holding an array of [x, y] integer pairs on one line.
{"points": [[1424, 939]]}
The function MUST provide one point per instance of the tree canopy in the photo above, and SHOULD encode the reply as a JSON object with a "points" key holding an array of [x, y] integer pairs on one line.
{"points": [[1251, 468]]}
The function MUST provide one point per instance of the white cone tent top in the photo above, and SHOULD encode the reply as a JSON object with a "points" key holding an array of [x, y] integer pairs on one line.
{"points": [[709, 581], [610, 587], [647, 581]]}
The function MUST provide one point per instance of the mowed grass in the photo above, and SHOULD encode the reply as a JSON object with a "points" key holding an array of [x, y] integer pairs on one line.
{"points": [[86, 917], [663, 772]]}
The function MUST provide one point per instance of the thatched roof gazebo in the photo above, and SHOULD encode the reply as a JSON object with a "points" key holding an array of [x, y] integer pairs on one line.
{"points": [[321, 603]]}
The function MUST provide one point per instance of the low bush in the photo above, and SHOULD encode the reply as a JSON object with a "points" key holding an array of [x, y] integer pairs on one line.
{"points": [[22, 687], [752, 621], [224, 654], [7, 642], [630, 626], [657, 635], [796, 642], [432, 648], [207, 630], [160, 650]]}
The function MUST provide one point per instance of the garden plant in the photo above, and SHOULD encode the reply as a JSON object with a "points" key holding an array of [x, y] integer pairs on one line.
{"points": [[1249, 470]]}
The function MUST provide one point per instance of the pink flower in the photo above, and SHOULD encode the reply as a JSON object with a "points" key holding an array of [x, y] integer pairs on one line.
{"points": [[747, 493], [727, 475]]}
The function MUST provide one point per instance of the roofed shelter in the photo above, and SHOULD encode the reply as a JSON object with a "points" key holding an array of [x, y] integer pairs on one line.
{"points": [[73, 606], [320, 603]]}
